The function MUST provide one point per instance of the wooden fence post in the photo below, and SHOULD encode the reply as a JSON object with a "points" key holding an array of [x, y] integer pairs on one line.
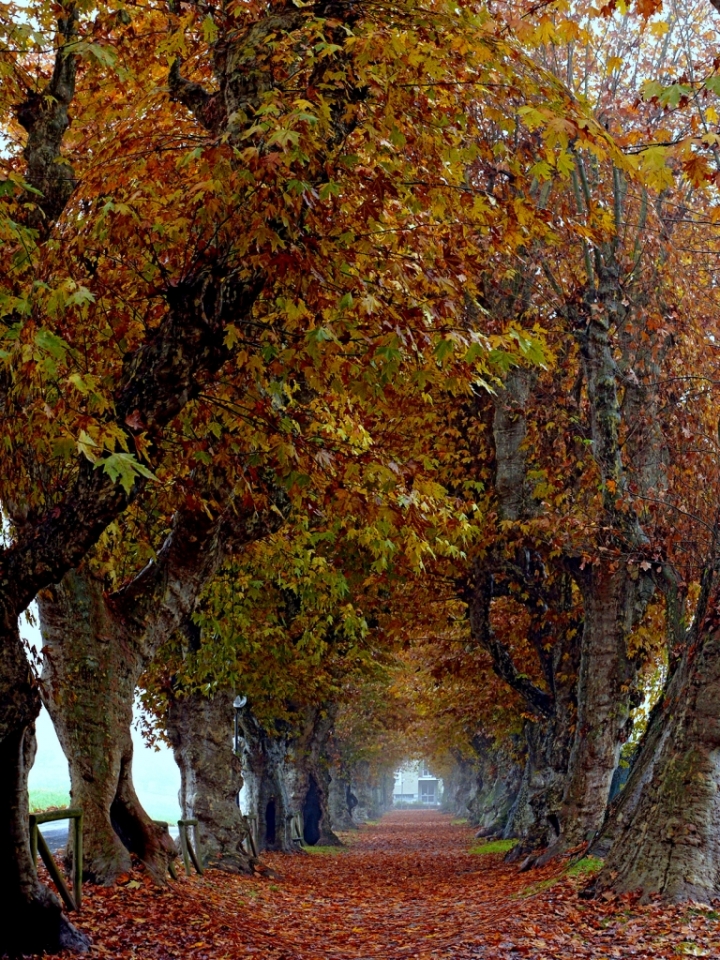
{"points": [[38, 844], [188, 852]]}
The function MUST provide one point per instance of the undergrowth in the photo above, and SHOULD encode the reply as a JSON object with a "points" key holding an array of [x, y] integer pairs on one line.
{"points": [[585, 866], [494, 846]]}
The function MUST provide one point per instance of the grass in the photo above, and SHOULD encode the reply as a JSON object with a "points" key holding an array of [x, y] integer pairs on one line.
{"points": [[494, 846], [583, 867], [42, 799], [330, 851], [459, 822]]}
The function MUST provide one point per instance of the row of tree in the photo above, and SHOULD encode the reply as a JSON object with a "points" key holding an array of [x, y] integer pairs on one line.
{"points": [[360, 360]]}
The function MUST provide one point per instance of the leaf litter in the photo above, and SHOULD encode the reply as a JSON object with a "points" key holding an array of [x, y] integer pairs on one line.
{"points": [[407, 888]]}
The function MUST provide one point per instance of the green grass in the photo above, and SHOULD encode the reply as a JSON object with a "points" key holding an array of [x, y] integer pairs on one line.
{"points": [[330, 851], [494, 846], [703, 912], [42, 799], [459, 822], [583, 867]]}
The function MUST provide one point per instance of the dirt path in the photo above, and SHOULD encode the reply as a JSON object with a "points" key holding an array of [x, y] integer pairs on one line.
{"points": [[407, 887]]}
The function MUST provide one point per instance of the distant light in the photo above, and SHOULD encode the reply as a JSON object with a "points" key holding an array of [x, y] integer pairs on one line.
{"points": [[239, 702]]}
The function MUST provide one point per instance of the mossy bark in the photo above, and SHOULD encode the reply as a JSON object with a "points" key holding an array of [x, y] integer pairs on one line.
{"points": [[666, 828], [497, 786]]}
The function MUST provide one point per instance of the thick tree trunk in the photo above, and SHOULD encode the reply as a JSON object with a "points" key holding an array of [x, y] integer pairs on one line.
{"points": [[623, 807], [90, 672], [535, 817], [263, 767], [150, 841], [200, 731], [605, 688], [341, 800], [308, 777], [460, 787], [365, 788], [498, 785], [31, 918], [666, 827], [96, 648]]}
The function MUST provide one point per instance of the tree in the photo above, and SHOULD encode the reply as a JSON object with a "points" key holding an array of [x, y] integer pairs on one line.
{"points": [[96, 647]]}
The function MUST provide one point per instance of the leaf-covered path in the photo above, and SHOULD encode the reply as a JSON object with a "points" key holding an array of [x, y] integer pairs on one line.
{"points": [[407, 887]]}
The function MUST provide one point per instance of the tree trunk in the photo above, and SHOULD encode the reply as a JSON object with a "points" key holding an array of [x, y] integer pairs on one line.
{"points": [[90, 672], [149, 840], [667, 824], [200, 731], [96, 648], [498, 785], [341, 800], [263, 766], [460, 787], [623, 807], [308, 776], [363, 786], [31, 918], [535, 818], [605, 688]]}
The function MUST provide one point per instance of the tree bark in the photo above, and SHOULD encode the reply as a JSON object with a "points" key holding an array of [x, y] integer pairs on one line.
{"points": [[90, 673], [307, 776], [263, 759], [535, 817], [460, 786], [96, 648], [499, 780], [341, 799], [200, 731], [666, 828], [31, 918], [606, 685]]}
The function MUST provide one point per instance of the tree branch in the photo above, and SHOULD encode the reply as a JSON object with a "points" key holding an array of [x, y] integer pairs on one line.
{"points": [[45, 117], [479, 600]]}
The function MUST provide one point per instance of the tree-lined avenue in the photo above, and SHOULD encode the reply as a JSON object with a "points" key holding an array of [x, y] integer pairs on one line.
{"points": [[406, 887]]}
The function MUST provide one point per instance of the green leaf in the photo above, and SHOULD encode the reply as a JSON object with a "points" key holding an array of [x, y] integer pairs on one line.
{"points": [[52, 344], [443, 349], [123, 468], [209, 30]]}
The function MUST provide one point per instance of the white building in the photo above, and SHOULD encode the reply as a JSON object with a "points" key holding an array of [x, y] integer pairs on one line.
{"points": [[415, 783]]}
